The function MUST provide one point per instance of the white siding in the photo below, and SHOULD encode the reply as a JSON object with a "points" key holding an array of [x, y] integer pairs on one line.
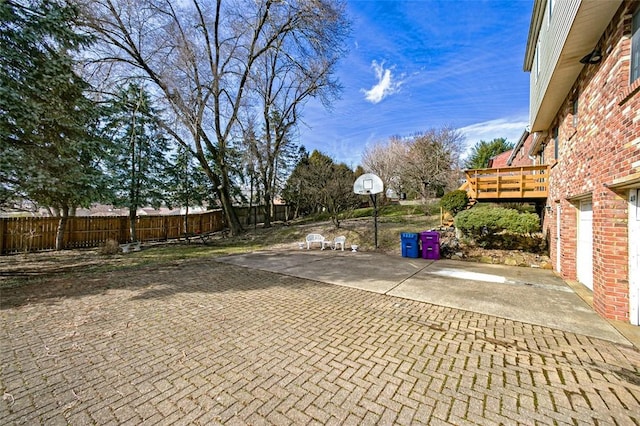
{"points": [[559, 42], [551, 38]]}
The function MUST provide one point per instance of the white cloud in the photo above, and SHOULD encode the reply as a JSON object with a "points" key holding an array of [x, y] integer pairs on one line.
{"points": [[386, 85], [510, 129]]}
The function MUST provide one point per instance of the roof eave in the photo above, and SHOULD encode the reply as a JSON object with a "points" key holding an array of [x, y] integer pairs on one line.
{"points": [[537, 17]]}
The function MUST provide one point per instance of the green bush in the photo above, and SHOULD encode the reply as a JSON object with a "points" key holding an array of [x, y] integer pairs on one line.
{"points": [[491, 220], [520, 207], [454, 201], [521, 223]]}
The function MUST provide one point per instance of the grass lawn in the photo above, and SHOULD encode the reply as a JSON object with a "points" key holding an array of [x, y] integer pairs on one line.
{"points": [[359, 228]]}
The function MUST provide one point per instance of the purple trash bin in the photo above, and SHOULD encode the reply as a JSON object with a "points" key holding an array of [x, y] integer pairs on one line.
{"points": [[430, 245]]}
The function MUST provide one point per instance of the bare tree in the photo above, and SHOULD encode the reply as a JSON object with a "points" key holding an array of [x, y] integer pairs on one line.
{"points": [[387, 161], [283, 83], [433, 161], [426, 163], [200, 58]]}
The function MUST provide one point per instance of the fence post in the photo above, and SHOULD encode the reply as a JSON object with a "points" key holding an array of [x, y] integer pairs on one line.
{"points": [[165, 228], [67, 236], [3, 226], [123, 234]]}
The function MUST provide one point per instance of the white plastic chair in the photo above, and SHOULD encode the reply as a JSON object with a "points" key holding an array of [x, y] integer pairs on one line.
{"points": [[339, 241]]}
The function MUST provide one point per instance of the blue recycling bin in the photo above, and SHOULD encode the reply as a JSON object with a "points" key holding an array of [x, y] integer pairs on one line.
{"points": [[409, 244]]}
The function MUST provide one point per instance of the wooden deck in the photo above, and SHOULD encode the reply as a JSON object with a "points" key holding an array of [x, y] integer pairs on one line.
{"points": [[526, 183]]}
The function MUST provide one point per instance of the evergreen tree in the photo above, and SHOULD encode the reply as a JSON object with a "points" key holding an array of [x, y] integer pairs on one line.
{"points": [[318, 183], [137, 162], [51, 151], [187, 185], [483, 151], [296, 191]]}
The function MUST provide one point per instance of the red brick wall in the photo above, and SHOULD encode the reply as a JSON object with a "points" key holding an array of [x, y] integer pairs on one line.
{"points": [[500, 160], [602, 147], [521, 158]]}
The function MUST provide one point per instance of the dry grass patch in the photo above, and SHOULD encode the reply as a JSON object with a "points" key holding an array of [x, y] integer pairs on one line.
{"points": [[36, 267]]}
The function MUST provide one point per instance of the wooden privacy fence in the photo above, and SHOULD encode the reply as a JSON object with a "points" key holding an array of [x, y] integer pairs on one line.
{"points": [[39, 233], [255, 214]]}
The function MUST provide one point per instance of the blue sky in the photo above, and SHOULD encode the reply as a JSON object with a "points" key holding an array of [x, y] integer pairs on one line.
{"points": [[421, 64]]}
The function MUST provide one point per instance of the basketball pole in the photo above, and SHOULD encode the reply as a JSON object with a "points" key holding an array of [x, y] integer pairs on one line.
{"points": [[375, 219], [371, 184]]}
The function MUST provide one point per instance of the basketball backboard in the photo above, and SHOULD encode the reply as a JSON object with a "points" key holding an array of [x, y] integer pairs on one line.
{"points": [[368, 184]]}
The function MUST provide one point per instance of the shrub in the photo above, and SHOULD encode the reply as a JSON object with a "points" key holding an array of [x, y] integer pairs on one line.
{"points": [[520, 207], [491, 220], [454, 201], [478, 221], [110, 247], [521, 223]]}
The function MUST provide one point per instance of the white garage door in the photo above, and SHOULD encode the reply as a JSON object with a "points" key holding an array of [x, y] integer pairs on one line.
{"points": [[584, 255], [634, 256]]}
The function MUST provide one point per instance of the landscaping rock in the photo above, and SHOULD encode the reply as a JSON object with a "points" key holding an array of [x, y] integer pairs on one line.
{"points": [[452, 246], [511, 261], [546, 265]]}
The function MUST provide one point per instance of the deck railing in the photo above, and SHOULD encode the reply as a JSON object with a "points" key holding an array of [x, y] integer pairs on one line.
{"points": [[525, 182]]}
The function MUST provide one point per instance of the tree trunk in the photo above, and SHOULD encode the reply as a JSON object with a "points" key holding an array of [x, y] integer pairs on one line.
{"points": [[62, 225], [222, 185], [266, 184], [132, 225], [250, 203], [186, 221], [267, 209], [235, 227]]}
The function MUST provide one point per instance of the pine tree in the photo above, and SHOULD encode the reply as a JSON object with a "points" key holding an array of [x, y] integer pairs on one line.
{"points": [[137, 162], [483, 151], [187, 184], [317, 183], [51, 151]]}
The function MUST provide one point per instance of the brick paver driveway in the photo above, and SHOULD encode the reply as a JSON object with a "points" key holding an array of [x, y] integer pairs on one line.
{"points": [[203, 342]]}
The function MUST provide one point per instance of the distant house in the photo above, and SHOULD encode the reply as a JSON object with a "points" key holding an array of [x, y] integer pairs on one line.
{"points": [[98, 210], [584, 61], [519, 154], [499, 160]]}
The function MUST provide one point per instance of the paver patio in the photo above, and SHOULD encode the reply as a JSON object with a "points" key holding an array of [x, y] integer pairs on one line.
{"points": [[201, 342]]}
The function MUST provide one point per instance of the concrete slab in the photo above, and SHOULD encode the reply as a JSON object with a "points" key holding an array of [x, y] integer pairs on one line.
{"points": [[498, 273], [533, 304], [528, 295], [364, 271]]}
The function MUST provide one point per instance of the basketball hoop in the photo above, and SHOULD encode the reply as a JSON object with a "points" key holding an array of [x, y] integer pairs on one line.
{"points": [[370, 184]]}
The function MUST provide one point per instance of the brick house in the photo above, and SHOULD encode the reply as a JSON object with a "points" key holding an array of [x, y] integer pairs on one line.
{"points": [[584, 61], [500, 160], [519, 154]]}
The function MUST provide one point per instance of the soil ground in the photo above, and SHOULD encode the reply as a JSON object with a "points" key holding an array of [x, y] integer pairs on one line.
{"points": [[280, 236]]}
